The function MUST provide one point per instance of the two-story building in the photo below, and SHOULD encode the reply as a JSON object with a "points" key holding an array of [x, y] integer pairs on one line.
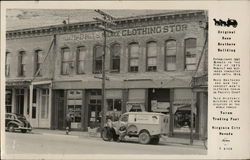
{"points": [[150, 62]]}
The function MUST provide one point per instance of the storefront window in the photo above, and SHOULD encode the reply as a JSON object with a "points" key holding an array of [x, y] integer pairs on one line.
{"points": [[151, 56], [81, 53], [170, 55], [190, 54], [133, 57], [115, 52], [74, 101], [66, 61], [98, 51], [7, 64], [38, 61], [21, 63], [114, 108], [8, 100]]}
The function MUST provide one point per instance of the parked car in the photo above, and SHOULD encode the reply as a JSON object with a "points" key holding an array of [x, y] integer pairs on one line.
{"points": [[16, 122], [147, 126]]}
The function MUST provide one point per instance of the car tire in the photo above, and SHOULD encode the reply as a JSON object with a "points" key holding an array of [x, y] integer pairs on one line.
{"points": [[144, 137], [11, 127], [23, 130], [155, 140]]}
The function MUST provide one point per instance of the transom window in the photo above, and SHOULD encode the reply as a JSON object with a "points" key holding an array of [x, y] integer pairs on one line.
{"points": [[151, 56], [81, 53], [115, 52], [190, 54], [66, 60], [7, 64], [98, 51], [21, 63], [170, 59], [134, 57]]}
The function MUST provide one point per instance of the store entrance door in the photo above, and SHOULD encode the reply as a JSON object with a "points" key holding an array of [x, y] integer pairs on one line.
{"points": [[20, 101], [94, 113]]}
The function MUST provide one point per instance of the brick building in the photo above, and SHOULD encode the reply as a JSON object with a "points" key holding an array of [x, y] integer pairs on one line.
{"points": [[150, 63]]}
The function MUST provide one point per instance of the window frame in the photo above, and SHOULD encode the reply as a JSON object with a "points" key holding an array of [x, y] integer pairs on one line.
{"points": [[37, 64], [21, 64], [95, 71], [134, 70], [166, 54], [114, 58], [192, 55], [152, 68], [78, 61], [7, 65], [69, 62]]}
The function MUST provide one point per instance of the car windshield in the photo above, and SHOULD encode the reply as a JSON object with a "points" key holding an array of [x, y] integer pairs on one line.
{"points": [[19, 116]]}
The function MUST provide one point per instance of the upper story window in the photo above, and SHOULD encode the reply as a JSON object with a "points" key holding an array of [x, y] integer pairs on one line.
{"points": [[151, 56], [170, 59], [81, 53], [21, 63], [190, 54], [66, 60], [98, 51], [115, 52], [7, 64], [134, 57], [38, 61]]}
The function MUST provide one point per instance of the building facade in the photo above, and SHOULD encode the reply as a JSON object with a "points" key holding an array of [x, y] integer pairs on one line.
{"points": [[150, 63]]}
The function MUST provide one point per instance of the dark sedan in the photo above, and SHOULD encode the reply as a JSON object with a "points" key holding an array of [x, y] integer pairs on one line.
{"points": [[16, 122]]}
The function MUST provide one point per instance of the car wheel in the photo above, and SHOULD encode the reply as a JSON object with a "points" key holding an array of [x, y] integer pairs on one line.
{"points": [[155, 140], [11, 128], [144, 137], [23, 130]]}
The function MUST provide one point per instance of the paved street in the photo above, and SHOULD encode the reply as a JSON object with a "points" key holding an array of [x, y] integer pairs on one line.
{"points": [[18, 143]]}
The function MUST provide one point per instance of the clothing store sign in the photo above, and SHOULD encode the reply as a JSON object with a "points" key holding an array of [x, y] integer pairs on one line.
{"points": [[140, 31]]}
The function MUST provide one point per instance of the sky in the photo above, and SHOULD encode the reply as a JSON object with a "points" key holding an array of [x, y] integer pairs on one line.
{"points": [[30, 18]]}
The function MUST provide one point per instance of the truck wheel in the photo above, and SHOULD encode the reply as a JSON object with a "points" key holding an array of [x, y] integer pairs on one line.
{"points": [[144, 137], [23, 130], [106, 136], [155, 140], [11, 128]]}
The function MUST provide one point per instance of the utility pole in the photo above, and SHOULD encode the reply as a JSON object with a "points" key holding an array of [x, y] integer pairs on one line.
{"points": [[106, 22]]}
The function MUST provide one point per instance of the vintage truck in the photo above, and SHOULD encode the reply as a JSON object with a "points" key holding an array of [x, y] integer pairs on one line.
{"points": [[147, 126]]}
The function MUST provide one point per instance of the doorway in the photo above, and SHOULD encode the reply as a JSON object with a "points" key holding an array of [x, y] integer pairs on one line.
{"points": [[20, 101]]}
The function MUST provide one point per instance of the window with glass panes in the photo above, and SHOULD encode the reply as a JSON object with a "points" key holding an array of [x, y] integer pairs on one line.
{"points": [[44, 103], [170, 59], [66, 60], [21, 63], [7, 64], [38, 61], [190, 54], [81, 52], [115, 52], [151, 56], [114, 104], [133, 57], [98, 51]]}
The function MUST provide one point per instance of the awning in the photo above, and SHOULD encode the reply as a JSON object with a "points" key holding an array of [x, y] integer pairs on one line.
{"points": [[18, 83]]}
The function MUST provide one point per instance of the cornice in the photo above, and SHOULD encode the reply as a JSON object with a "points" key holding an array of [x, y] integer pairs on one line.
{"points": [[136, 21]]}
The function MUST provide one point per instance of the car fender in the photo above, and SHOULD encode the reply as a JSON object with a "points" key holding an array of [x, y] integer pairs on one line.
{"points": [[13, 122]]}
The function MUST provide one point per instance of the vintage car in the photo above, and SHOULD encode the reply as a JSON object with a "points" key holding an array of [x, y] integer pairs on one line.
{"points": [[16, 122], [147, 126]]}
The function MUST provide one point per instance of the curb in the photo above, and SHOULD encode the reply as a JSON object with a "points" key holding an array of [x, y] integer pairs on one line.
{"points": [[60, 135]]}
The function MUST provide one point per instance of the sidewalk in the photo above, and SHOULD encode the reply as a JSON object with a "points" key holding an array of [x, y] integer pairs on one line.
{"points": [[171, 141]]}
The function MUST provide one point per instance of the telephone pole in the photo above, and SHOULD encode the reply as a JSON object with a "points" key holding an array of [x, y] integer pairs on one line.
{"points": [[106, 21]]}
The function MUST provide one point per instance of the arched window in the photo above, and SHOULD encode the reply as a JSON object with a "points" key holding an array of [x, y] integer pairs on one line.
{"points": [[7, 64], [21, 63], [38, 61], [151, 56], [170, 59], [98, 51], [81, 53], [115, 52], [190, 54], [66, 60], [133, 57]]}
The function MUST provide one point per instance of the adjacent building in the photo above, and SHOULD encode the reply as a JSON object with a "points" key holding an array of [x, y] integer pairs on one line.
{"points": [[151, 64]]}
